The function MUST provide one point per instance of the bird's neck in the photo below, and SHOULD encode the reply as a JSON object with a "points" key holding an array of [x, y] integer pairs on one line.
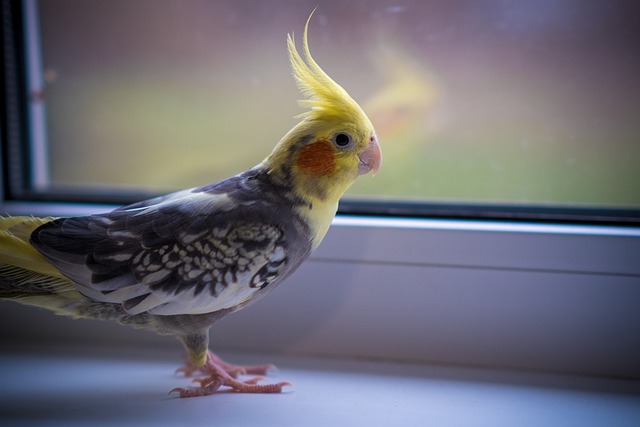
{"points": [[316, 206], [319, 217]]}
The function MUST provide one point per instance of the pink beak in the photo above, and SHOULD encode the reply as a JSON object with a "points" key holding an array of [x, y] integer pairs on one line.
{"points": [[371, 157]]}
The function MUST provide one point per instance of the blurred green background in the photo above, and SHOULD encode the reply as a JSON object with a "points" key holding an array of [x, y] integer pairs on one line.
{"points": [[527, 102]]}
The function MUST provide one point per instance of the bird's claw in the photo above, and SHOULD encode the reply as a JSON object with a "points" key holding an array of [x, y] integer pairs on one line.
{"points": [[235, 370], [220, 373]]}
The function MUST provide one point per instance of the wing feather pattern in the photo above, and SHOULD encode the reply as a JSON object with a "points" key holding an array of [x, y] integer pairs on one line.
{"points": [[193, 252]]}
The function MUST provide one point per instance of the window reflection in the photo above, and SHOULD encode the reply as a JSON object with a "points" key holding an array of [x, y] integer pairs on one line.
{"points": [[532, 102]]}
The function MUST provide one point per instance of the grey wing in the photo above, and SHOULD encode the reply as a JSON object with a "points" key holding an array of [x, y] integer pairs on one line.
{"points": [[174, 258]]}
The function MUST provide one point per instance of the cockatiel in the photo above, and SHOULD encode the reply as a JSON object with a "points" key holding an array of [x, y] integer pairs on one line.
{"points": [[176, 264]]}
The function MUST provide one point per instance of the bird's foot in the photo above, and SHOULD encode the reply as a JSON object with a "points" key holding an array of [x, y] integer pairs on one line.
{"points": [[218, 375], [189, 368]]}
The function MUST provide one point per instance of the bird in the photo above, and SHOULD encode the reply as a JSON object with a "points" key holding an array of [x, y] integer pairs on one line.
{"points": [[178, 263]]}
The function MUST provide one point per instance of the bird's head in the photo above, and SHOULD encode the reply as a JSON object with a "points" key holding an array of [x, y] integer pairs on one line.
{"points": [[335, 141]]}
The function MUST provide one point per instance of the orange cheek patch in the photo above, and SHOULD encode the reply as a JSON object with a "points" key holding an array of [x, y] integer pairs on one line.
{"points": [[316, 159]]}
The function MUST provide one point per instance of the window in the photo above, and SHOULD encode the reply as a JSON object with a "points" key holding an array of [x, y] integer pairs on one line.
{"points": [[485, 109], [492, 109]]}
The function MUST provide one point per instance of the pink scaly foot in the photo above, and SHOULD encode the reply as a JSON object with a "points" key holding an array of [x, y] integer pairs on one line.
{"points": [[217, 376], [189, 369]]}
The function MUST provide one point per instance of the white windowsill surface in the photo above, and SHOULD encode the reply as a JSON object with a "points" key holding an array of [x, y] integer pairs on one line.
{"points": [[61, 387]]}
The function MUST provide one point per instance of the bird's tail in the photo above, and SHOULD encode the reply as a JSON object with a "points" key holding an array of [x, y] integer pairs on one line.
{"points": [[25, 275]]}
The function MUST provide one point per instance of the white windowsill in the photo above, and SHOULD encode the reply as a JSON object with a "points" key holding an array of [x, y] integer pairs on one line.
{"points": [[98, 387]]}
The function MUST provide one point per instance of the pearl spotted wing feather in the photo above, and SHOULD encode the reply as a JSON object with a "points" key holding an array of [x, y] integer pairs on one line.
{"points": [[191, 252]]}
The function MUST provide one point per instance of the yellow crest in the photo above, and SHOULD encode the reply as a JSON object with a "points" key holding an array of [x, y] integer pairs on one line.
{"points": [[326, 99]]}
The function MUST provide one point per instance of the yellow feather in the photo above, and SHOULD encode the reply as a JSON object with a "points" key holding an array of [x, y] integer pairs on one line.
{"points": [[23, 266], [16, 250], [326, 99]]}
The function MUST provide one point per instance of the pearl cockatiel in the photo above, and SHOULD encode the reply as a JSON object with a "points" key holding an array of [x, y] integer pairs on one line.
{"points": [[176, 264]]}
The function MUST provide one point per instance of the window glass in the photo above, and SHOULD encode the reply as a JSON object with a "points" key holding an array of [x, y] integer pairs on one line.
{"points": [[528, 102]]}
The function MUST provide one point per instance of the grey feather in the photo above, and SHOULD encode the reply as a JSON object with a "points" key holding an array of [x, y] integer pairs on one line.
{"points": [[193, 252]]}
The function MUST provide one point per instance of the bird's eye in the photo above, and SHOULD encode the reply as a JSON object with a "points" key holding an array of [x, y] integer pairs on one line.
{"points": [[342, 139]]}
